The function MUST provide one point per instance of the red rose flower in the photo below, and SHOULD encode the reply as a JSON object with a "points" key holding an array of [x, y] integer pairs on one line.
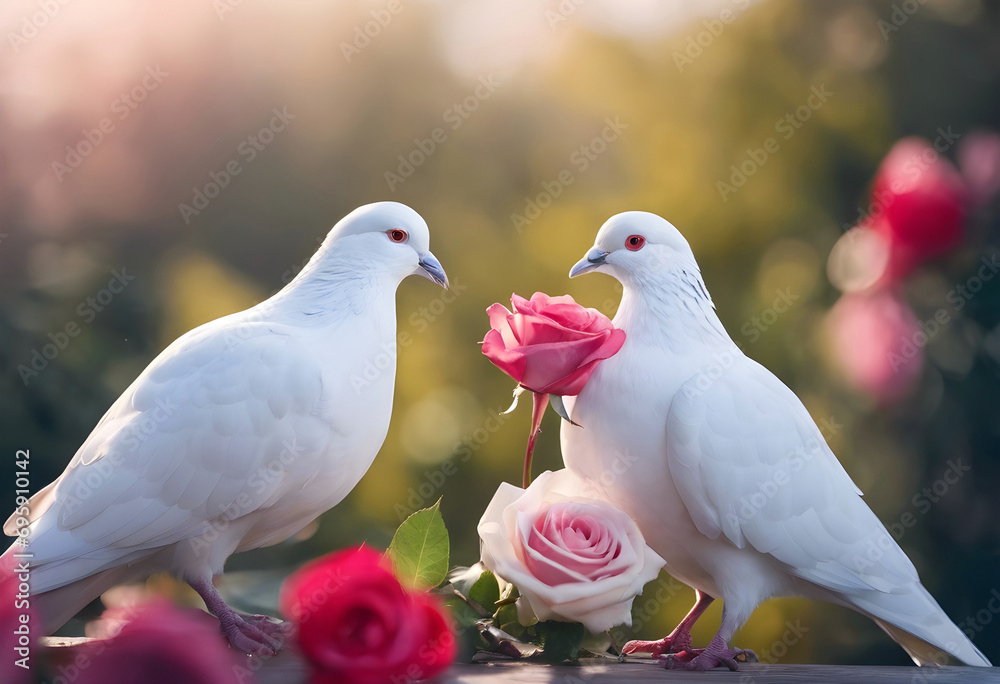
{"points": [[923, 204], [550, 345], [358, 625]]}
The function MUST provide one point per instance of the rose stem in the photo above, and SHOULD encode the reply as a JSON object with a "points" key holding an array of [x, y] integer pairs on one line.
{"points": [[539, 403]]}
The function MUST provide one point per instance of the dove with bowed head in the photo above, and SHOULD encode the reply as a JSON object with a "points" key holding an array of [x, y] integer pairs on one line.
{"points": [[707, 430], [236, 436]]}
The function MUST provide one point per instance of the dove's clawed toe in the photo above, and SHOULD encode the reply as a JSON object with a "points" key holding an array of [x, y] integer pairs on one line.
{"points": [[700, 659], [668, 644], [272, 627], [247, 637]]}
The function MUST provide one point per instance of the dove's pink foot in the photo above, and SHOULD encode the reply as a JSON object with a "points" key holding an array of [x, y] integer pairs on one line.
{"points": [[701, 659], [255, 634], [273, 627], [679, 639]]}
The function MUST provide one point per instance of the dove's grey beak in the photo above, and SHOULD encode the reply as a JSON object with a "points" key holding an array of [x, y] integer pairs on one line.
{"points": [[431, 269], [595, 257]]}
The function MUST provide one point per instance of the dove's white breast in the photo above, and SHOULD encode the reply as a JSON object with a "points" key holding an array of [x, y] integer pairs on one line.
{"points": [[622, 449]]}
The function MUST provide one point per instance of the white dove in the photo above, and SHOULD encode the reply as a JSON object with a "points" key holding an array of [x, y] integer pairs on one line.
{"points": [[724, 470], [236, 436]]}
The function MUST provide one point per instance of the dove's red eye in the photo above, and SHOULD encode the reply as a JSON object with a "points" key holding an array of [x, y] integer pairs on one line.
{"points": [[397, 235], [635, 243]]}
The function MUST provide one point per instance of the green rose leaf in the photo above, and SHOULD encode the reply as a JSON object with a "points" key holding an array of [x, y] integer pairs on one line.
{"points": [[506, 619], [486, 591], [560, 640], [419, 549]]}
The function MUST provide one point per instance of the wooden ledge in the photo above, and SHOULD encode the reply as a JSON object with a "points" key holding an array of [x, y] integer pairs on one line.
{"points": [[289, 668]]}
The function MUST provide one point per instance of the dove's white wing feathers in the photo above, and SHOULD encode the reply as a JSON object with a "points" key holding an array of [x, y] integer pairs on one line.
{"points": [[750, 464], [206, 425]]}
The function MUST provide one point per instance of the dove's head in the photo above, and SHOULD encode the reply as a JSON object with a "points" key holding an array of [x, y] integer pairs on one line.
{"points": [[637, 247], [389, 235]]}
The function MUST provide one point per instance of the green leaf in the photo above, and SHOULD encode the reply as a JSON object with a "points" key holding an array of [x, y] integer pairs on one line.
{"points": [[506, 619], [461, 611], [560, 640], [419, 549], [486, 591]]}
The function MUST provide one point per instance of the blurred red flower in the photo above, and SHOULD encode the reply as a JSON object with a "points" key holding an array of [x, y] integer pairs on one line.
{"points": [[18, 632], [919, 205], [358, 625], [877, 342], [162, 644]]}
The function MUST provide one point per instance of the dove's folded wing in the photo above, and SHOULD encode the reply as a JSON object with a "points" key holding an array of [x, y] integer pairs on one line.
{"points": [[223, 423], [751, 464]]}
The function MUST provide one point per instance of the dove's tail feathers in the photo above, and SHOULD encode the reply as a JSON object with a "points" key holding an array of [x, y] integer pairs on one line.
{"points": [[916, 622], [61, 587], [57, 607]]}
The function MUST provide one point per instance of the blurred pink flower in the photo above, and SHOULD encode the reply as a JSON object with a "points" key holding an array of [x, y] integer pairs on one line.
{"points": [[18, 634], [163, 645], [979, 160], [877, 342], [919, 205]]}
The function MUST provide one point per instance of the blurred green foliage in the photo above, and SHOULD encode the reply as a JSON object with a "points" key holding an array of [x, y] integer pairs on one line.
{"points": [[681, 126]]}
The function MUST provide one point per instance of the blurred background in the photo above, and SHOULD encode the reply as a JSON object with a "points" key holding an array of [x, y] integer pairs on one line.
{"points": [[165, 164]]}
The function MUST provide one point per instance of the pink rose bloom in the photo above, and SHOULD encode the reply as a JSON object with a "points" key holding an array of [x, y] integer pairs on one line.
{"points": [[572, 558], [878, 343], [922, 202], [550, 345]]}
